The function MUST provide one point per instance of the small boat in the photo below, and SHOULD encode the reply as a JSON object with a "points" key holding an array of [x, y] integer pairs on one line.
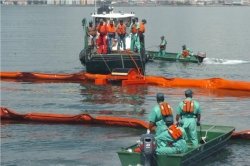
{"points": [[169, 56], [216, 138], [121, 61]]}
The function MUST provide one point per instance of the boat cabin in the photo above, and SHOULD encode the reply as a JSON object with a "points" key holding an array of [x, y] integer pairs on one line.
{"points": [[116, 17]]}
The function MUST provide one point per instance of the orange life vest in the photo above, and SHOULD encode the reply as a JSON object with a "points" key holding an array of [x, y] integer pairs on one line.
{"points": [[165, 108], [142, 28], [134, 29], [188, 106], [121, 29], [185, 53], [111, 29], [102, 29], [175, 132]]}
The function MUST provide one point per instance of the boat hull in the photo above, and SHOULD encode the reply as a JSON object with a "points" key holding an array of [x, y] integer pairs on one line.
{"points": [[106, 63], [216, 139], [172, 57]]}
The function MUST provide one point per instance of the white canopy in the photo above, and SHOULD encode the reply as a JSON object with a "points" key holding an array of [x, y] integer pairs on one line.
{"points": [[113, 15]]}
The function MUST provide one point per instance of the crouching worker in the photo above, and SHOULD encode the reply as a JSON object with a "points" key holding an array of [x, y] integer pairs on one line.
{"points": [[186, 53], [171, 141]]}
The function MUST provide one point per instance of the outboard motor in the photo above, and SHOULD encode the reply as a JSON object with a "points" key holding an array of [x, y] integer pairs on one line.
{"points": [[148, 146], [201, 56]]}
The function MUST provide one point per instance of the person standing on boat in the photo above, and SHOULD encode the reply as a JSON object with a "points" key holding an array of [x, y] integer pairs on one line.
{"points": [[161, 115], [111, 35], [102, 39], [190, 113], [133, 31], [92, 32], [171, 141], [121, 32], [141, 32], [162, 46]]}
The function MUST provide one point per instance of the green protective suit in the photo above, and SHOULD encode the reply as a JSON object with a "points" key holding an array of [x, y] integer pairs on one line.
{"points": [[167, 145], [179, 55], [188, 121], [156, 117], [135, 43], [162, 51], [160, 127]]}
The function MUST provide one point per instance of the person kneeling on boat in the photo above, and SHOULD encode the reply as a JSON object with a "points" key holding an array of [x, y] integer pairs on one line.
{"points": [[162, 46], [162, 112], [189, 110], [111, 35], [186, 53], [171, 141]]}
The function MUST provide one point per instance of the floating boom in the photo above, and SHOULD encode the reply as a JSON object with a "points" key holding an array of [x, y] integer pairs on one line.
{"points": [[8, 115], [130, 78]]}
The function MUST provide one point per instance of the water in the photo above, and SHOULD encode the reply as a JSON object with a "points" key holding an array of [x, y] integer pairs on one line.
{"points": [[49, 39]]}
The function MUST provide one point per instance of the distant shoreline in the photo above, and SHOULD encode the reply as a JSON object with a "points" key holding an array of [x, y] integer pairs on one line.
{"points": [[62, 5]]}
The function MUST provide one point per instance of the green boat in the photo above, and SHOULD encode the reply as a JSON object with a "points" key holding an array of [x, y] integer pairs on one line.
{"points": [[216, 137], [169, 56]]}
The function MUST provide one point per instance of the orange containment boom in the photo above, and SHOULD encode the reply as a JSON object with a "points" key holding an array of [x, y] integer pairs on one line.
{"points": [[241, 135], [8, 115], [132, 77]]}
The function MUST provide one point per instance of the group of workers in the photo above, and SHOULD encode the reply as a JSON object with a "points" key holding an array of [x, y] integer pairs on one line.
{"points": [[185, 53], [106, 35], [171, 138]]}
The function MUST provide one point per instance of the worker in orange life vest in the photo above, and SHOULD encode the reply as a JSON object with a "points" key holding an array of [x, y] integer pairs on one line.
{"points": [[161, 114], [171, 141], [121, 32], [102, 39], [186, 53], [111, 35], [190, 113]]}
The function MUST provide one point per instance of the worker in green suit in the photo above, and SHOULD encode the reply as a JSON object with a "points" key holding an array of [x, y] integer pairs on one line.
{"points": [[190, 113], [133, 31], [185, 53], [162, 46], [160, 115], [171, 141]]}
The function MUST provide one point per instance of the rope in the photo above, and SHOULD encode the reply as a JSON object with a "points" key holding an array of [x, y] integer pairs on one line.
{"points": [[135, 64], [106, 63], [207, 131]]}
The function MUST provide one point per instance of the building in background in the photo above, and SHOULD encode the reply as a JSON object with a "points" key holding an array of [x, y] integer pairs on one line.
{"points": [[126, 2]]}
